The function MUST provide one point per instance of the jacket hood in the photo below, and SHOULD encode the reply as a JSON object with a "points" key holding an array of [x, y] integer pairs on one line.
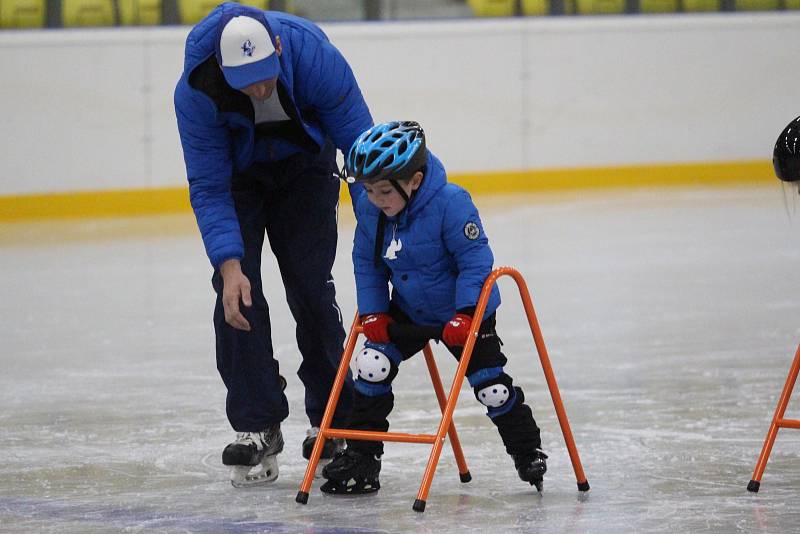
{"points": [[435, 179]]}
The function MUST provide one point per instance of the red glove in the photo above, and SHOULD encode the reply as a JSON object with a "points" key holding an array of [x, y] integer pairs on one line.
{"points": [[376, 327], [456, 330]]}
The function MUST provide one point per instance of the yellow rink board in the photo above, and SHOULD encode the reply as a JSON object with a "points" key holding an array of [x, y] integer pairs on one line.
{"points": [[90, 204]]}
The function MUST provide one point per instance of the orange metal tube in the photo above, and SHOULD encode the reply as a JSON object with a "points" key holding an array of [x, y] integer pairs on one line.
{"points": [[789, 423], [326, 431], [464, 362], [452, 398], [374, 435], [550, 377], [439, 389], [777, 421], [330, 408], [448, 404]]}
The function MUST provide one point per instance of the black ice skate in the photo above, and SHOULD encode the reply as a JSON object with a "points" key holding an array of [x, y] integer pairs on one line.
{"points": [[329, 450], [531, 467], [253, 457], [352, 473]]}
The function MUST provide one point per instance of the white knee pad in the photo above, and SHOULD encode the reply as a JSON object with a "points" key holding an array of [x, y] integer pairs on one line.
{"points": [[494, 396], [373, 365]]}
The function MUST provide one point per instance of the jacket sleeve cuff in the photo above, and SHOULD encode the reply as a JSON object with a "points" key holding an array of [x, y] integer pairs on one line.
{"points": [[218, 258]]}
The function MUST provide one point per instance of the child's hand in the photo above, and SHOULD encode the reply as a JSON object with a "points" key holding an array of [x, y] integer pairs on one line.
{"points": [[376, 327], [456, 330]]}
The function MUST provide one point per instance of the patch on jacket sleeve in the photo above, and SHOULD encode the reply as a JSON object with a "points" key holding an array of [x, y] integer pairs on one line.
{"points": [[472, 231]]}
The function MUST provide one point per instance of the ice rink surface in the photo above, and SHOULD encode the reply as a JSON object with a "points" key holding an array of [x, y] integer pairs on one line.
{"points": [[671, 318]]}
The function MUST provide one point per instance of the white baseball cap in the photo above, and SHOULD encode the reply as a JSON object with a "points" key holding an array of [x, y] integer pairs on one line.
{"points": [[245, 51]]}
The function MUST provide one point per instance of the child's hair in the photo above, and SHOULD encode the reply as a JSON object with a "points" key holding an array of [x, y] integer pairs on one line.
{"points": [[408, 178], [387, 151]]}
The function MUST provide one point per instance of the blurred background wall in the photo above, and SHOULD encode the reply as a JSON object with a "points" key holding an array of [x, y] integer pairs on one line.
{"points": [[612, 99]]}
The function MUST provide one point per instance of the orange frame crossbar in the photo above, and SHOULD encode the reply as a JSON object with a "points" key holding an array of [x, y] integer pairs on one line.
{"points": [[447, 404], [778, 422]]}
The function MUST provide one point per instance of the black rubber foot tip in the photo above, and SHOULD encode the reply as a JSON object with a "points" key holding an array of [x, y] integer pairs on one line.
{"points": [[419, 505], [465, 477], [753, 486], [302, 497], [583, 486]]}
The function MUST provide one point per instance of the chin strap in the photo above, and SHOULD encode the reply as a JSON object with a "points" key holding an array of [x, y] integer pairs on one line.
{"points": [[379, 233], [402, 192], [381, 230]]}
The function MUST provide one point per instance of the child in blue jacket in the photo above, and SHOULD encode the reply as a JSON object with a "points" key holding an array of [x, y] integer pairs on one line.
{"points": [[422, 236]]}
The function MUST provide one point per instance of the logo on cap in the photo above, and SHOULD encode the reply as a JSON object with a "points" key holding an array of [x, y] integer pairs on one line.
{"points": [[248, 48]]}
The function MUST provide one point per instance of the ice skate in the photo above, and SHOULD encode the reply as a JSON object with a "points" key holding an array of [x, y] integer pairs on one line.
{"points": [[329, 450], [253, 457], [531, 467], [352, 473]]}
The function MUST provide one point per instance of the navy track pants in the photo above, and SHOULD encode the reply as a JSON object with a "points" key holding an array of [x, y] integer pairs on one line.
{"points": [[294, 201]]}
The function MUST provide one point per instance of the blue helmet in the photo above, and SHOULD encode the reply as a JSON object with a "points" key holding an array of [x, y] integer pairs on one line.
{"points": [[388, 151]]}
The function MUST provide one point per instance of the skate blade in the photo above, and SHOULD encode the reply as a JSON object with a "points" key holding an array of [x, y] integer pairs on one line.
{"points": [[245, 476], [350, 487]]}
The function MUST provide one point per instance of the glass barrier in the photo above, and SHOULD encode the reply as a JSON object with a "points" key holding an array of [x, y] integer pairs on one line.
{"points": [[83, 13]]}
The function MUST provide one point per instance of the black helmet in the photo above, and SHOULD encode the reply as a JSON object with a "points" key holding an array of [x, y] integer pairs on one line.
{"points": [[786, 156]]}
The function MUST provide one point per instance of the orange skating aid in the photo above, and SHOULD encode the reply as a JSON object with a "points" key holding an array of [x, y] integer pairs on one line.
{"points": [[777, 422], [447, 403]]}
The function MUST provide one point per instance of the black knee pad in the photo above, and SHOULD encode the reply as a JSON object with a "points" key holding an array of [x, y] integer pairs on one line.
{"points": [[494, 389], [376, 365]]}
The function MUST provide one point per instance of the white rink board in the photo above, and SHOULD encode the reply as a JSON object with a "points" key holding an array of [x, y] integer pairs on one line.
{"points": [[92, 109]]}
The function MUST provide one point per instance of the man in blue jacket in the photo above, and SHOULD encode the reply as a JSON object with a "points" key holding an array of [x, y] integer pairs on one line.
{"points": [[262, 105]]}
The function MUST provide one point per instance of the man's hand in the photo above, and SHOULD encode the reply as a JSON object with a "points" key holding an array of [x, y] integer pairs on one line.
{"points": [[235, 286], [376, 327], [456, 330]]}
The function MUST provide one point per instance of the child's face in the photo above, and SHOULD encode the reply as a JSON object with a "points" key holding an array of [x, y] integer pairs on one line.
{"points": [[384, 195]]}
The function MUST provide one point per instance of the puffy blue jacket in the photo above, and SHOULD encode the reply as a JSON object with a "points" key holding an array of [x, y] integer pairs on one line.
{"points": [[316, 87], [442, 255]]}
